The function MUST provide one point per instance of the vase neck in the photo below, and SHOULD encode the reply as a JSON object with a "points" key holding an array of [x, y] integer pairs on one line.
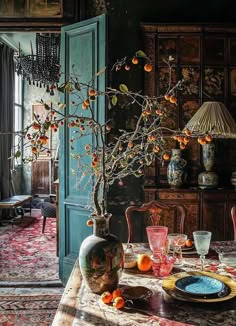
{"points": [[101, 225], [175, 152]]}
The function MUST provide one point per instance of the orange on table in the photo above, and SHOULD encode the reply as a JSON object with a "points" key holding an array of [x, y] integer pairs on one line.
{"points": [[106, 297], [117, 293], [188, 243], [144, 262], [118, 303]]}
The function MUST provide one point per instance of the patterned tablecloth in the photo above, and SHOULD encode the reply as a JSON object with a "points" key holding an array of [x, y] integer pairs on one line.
{"points": [[159, 309]]}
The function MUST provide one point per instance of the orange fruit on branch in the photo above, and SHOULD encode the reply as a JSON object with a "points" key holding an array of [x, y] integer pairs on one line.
{"points": [[92, 92], [36, 126], [173, 99], [148, 67], [144, 262], [187, 132], [208, 138], [167, 97], [90, 223], [135, 60], [166, 156], [86, 102]]}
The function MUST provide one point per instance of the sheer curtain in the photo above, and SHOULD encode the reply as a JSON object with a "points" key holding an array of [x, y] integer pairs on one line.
{"points": [[7, 84]]}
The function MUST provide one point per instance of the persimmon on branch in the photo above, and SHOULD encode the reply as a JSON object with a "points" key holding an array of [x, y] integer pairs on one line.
{"points": [[129, 152]]}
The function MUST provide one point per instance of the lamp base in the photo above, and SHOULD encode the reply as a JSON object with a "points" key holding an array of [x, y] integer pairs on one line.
{"points": [[208, 180]]}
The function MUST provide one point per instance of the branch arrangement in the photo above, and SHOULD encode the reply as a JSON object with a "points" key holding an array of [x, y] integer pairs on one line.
{"points": [[104, 162]]}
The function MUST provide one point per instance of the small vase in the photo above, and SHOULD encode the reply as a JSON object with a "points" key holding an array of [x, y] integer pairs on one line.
{"points": [[175, 169], [101, 257], [208, 156]]}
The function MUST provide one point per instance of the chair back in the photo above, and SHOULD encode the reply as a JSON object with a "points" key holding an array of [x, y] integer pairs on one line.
{"points": [[154, 210], [233, 216]]}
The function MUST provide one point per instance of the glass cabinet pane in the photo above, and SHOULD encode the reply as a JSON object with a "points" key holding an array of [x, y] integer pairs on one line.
{"points": [[191, 76], [213, 81], [167, 48], [164, 80], [214, 51], [233, 51], [188, 108], [189, 49], [233, 82]]}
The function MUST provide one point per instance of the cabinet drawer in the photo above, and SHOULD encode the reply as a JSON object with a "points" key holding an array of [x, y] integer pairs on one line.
{"points": [[178, 195], [232, 196], [214, 196]]}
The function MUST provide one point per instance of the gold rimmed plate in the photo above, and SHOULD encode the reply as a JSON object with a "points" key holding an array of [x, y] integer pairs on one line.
{"points": [[169, 287]]}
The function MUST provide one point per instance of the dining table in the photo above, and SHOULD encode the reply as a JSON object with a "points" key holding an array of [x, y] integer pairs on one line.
{"points": [[154, 300]]}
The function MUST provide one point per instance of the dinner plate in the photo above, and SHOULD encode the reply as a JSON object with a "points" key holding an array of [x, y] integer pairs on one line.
{"points": [[187, 251], [188, 248], [169, 287], [199, 285]]}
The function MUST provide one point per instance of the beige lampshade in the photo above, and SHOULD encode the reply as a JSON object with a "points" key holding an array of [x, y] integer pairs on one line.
{"points": [[212, 118]]}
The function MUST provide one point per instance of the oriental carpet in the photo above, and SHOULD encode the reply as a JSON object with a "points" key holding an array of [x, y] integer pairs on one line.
{"points": [[25, 253], [27, 309]]}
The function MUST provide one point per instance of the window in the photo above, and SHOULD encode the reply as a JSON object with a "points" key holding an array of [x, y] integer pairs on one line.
{"points": [[18, 112]]}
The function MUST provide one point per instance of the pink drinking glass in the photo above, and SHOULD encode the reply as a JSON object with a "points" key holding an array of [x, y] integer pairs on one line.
{"points": [[157, 238], [162, 265]]}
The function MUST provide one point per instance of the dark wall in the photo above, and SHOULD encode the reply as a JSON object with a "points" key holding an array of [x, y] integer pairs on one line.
{"points": [[124, 17], [124, 38]]}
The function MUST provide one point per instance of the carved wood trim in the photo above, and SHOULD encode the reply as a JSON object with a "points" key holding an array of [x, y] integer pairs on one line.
{"points": [[155, 28], [158, 28]]}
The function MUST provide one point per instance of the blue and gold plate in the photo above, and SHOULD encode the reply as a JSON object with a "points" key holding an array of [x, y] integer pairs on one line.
{"points": [[200, 285]]}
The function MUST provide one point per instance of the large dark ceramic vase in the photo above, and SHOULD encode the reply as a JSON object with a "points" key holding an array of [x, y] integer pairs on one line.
{"points": [[101, 257], [175, 169]]}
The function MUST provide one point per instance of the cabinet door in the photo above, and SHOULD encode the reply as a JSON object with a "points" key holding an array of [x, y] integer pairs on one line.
{"points": [[213, 219]]}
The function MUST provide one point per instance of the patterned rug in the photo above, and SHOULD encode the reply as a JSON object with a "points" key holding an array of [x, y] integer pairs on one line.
{"points": [[28, 310], [25, 253]]}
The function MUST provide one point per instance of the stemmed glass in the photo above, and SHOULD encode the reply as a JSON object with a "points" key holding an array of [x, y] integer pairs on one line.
{"points": [[202, 241], [157, 238], [177, 241]]}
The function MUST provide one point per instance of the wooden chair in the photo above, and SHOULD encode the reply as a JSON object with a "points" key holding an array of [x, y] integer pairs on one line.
{"points": [[233, 216], [154, 210]]}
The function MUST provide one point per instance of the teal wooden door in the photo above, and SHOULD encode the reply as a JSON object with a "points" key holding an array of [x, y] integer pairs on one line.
{"points": [[83, 49]]}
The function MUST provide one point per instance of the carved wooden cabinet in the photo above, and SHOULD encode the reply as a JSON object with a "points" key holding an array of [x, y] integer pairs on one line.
{"points": [[205, 57], [206, 209]]}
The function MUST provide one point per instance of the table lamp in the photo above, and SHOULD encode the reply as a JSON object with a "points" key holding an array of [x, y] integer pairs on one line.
{"points": [[214, 119]]}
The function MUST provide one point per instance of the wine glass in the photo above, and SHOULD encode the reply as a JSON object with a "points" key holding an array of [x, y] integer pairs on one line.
{"points": [[202, 241], [177, 241], [157, 238]]}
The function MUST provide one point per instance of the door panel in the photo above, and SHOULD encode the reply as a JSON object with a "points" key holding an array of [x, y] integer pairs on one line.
{"points": [[83, 46]]}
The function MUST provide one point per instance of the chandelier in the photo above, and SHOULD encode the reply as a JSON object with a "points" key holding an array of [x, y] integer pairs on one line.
{"points": [[43, 67]]}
